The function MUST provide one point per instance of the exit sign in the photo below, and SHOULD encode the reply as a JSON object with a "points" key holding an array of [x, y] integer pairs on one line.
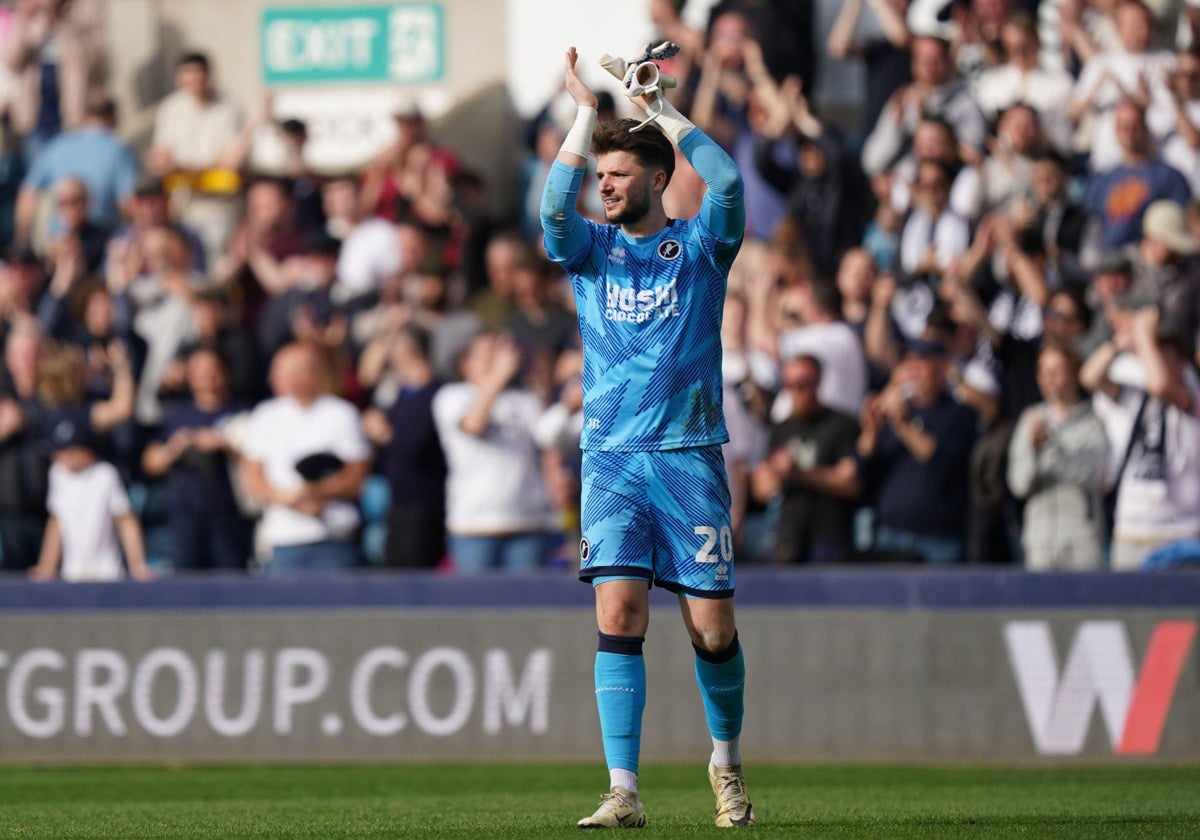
{"points": [[317, 44]]}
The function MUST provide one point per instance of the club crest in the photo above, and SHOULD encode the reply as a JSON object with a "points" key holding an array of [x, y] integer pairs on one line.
{"points": [[670, 249]]}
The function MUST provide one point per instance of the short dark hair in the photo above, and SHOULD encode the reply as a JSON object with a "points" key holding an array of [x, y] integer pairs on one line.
{"points": [[197, 58], [649, 145]]}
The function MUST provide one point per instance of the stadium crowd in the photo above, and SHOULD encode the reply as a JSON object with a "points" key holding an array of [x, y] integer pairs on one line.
{"points": [[962, 329]]}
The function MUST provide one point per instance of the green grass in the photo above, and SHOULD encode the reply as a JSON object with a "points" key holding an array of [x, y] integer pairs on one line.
{"points": [[533, 801]]}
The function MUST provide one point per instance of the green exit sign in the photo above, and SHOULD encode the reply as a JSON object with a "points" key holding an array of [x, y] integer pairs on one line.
{"points": [[315, 44]]}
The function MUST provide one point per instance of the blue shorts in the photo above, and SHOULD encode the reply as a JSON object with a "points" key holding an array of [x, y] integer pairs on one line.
{"points": [[662, 517]]}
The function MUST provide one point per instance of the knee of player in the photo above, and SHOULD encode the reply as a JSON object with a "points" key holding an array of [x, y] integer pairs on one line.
{"points": [[714, 638]]}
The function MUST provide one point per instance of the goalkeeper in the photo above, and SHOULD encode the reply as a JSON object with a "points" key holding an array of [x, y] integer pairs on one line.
{"points": [[649, 292]]}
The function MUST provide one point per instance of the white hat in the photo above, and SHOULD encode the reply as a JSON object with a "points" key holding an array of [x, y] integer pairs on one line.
{"points": [[1165, 223]]}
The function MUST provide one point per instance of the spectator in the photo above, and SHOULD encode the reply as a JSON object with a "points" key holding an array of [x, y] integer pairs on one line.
{"points": [[1181, 150], [91, 153], [1165, 269], [305, 458], [814, 328], [811, 468], [91, 526], [194, 452], [913, 452], [1120, 195], [880, 38], [217, 329], [57, 52], [412, 458], [72, 235], [148, 209], [1070, 237], [24, 464], [934, 92], [1111, 281], [1057, 458], [1133, 72], [934, 139], [198, 147], [1007, 171], [541, 324], [370, 250], [1148, 398], [1022, 79], [493, 304], [498, 512]]}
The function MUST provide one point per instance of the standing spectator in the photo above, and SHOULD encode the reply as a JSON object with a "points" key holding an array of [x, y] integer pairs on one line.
{"points": [[198, 146], [194, 453], [812, 467], [1057, 458], [936, 91], [72, 236], [914, 451], [23, 461], [148, 209], [1007, 171], [1149, 400], [1109, 289], [1182, 149], [91, 526], [1120, 195], [815, 328], [1165, 269], [413, 462], [94, 154], [305, 458], [1070, 237], [370, 246], [880, 38], [498, 513], [57, 50], [1133, 72], [1022, 79]]}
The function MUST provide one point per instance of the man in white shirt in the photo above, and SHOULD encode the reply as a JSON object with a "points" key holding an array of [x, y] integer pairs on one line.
{"points": [[305, 458]]}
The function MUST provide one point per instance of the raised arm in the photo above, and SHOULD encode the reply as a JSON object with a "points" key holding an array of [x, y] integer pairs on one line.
{"points": [[565, 230]]}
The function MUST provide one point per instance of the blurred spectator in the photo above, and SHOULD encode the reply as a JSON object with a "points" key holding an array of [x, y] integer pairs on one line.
{"points": [[198, 147], [977, 45], [194, 452], [934, 92], [24, 464], [1021, 79], [1111, 280], [1133, 72], [369, 250], [557, 434], [1165, 269], [802, 159], [1056, 463], [1070, 237], [217, 329], [1181, 151], [1007, 171], [813, 326], [880, 38], [913, 452], [91, 526], [148, 209], [305, 458], [541, 324], [57, 50], [412, 458], [91, 153], [302, 181], [72, 236], [934, 140], [1120, 195], [1148, 397], [498, 513], [302, 307], [394, 179], [493, 304], [811, 468]]}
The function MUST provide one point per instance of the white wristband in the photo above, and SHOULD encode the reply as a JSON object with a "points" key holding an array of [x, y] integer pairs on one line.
{"points": [[674, 124], [579, 139]]}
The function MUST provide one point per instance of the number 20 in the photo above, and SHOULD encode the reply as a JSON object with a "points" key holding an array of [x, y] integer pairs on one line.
{"points": [[711, 537]]}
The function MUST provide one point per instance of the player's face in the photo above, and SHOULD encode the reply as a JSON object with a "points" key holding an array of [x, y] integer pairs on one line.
{"points": [[625, 187]]}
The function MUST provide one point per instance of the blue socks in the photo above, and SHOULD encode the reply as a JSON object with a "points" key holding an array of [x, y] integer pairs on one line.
{"points": [[721, 677], [621, 698]]}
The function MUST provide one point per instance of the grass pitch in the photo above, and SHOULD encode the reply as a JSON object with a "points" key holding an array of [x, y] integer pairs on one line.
{"points": [[536, 801]]}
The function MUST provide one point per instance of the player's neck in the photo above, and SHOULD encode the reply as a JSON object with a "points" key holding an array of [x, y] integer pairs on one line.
{"points": [[648, 225]]}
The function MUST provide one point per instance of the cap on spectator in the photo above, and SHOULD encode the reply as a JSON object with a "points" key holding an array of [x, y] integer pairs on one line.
{"points": [[68, 427], [925, 348], [1113, 262], [1164, 222], [408, 109]]}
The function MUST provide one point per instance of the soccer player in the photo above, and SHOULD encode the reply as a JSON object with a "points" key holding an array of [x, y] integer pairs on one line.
{"points": [[650, 292]]}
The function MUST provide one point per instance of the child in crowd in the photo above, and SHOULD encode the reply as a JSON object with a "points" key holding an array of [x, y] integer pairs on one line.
{"points": [[90, 520]]}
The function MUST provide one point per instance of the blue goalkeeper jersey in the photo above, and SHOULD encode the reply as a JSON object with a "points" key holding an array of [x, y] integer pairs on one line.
{"points": [[650, 310]]}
